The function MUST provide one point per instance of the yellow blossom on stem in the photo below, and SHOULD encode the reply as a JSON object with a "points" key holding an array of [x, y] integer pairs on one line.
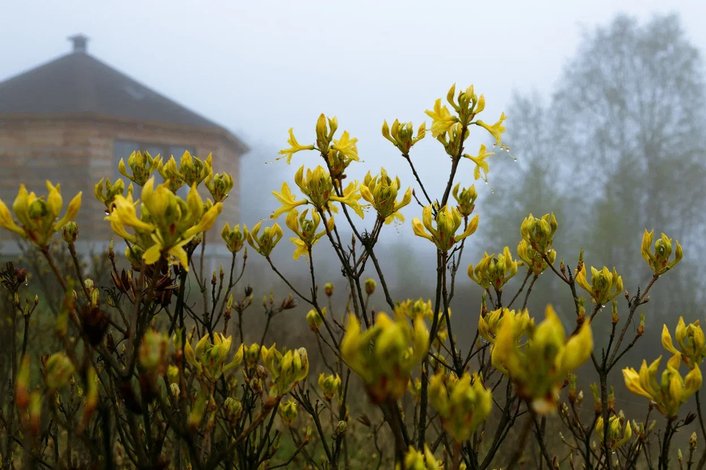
{"points": [[489, 324], [381, 192], [481, 168], [690, 339], [441, 119], [288, 411], [219, 185], [305, 229], [465, 199], [317, 186], [667, 391], [209, 356], [496, 130], [234, 238], [421, 460], [619, 430], [264, 243], [657, 257], [347, 146], [604, 286], [105, 191], [37, 217], [385, 354], [330, 385], [494, 270], [294, 147], [194, 170], [286, 369], [402, 134], [441, 228], [462, 403], [325, 129], [141, 164], [540, 365], [167, 222]]}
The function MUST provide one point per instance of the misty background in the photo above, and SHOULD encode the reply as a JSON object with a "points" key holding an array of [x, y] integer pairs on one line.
{"points": [[604, 102]]}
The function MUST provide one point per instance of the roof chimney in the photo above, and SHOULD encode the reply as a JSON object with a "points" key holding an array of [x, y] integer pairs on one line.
{"points": [[79, 42]]}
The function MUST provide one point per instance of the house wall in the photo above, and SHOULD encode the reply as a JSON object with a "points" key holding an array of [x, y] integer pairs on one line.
{"points": [[79, 152]]}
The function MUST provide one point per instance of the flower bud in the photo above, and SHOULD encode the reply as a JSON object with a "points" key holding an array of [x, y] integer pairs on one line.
{"points": [[328, 289], [59, 370], [314, 319], [370, 286], [288, 411]]}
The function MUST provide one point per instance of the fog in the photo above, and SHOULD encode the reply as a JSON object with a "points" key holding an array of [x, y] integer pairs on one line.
{"points": [[260, 68]]}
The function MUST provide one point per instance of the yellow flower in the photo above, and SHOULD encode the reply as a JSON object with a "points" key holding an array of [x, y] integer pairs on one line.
{"points": [[209, 356], [462, 403], [381, 192], [286, 370], [447, 221], [37, 216], [442, 119], [465, 199], [294, 147], [219, 185], [288, 411], [402, 134], [105, 191], [142, 165], [59, 370], [330, 385], [496, 130], [265, 243], [166, 224], [605, 285], [691, 341], [325, 129], [539, 232], [619, 430], [658, 259], [417, 460], [385, 354], [346, 145], [489, 323], [539, 366], [305, 229], [481, 167], [670, 390], [234, 238], [194, 170], [494, 270]]}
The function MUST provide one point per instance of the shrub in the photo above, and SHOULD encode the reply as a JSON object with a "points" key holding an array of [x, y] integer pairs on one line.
{"points": [[138, 373]]}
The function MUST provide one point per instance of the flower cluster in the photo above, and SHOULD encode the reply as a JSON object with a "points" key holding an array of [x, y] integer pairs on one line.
{"points": [[462, 403], [657, 256], [540, 365], [668, 390], [37, 217], [385, 354], [440, 226], [494, 270], [381, 192], [489, 323], [605, 285], [166, 222], [535, 248]]}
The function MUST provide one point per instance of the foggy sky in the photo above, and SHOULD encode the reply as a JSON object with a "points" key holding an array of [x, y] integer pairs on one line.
{"points": [[261, 67]]}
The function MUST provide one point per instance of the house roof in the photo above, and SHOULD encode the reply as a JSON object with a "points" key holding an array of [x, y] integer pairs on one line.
{"points": [[77, 84]]}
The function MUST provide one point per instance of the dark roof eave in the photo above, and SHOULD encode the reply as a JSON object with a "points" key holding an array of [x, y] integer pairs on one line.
{"points": [[240, 147]]}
